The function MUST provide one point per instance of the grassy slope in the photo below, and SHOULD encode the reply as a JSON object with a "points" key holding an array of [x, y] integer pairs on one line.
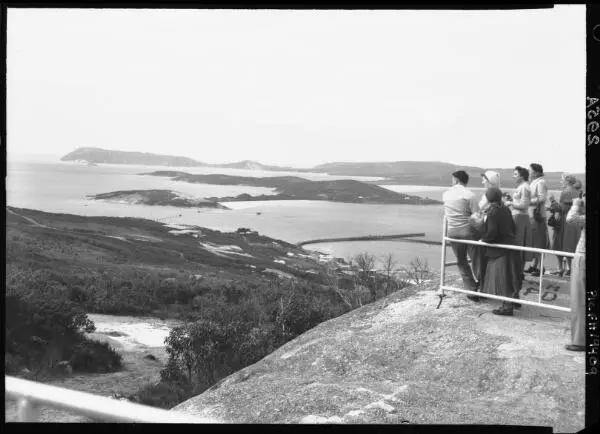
{"points": [[68, 250], [62, 242]]}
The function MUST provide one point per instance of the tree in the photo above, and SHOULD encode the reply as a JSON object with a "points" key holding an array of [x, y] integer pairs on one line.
{"points": [[418, 270], [354, 296], [389, 267], [365, 263], [204, 350]]}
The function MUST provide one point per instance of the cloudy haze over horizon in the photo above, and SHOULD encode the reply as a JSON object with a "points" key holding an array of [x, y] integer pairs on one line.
{"points": [[301, 88]]}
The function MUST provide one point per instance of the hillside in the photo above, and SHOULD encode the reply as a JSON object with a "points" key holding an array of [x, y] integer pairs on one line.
{"points": [[249, 292], [91, 250], [296, 188], [252, 165], [407, 169], [402, 360]]}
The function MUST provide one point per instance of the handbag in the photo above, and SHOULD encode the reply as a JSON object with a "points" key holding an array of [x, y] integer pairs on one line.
{"points": [[477, 221], [553, 221]]}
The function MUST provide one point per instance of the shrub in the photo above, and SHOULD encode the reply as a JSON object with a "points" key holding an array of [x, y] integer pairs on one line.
{"points": [[165, 394], [77, 294], [203, 350], [94, 356], [41, 331], [12, 363]]}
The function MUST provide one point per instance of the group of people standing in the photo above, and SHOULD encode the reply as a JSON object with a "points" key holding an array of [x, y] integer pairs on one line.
{"points": [[520, 218]]}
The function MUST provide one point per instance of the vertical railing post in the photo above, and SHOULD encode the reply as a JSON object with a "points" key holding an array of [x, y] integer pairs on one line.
{"points": [[541, 277], [28, 411], [443, 264]]}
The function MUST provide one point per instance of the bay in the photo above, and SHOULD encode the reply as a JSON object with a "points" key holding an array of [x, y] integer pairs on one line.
{"points": [[62, 187]]}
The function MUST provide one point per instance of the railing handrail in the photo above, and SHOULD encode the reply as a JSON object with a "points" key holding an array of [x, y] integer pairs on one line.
{"points": [[33, 394], [542, 253], [514, 247]]}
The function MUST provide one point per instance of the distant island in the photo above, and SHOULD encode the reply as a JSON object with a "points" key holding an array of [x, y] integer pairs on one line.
{"points": [[433, 173], [296, 188], [105, 156], [156, 197]]}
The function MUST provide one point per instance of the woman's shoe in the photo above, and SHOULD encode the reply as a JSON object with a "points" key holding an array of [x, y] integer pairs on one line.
{"points": [[558, 273], [506, 311], [530, 270], [536, 272], [572, 347], [568, 273]]}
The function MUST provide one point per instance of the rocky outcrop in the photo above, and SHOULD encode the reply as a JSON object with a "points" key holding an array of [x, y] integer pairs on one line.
{"points": [[296, 188], [158, 198], [402, 360]]}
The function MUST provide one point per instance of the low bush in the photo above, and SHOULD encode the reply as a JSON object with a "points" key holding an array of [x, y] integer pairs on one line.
{"points": [[94, 356], [13, 364], [42, 331], [165, 394]]}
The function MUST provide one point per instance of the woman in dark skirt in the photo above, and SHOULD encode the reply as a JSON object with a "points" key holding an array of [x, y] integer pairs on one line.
{"points": [[504, 269], [567, 235]]}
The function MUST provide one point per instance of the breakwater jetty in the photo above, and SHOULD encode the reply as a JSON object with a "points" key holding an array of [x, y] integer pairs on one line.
{"points": [[368, 238]]}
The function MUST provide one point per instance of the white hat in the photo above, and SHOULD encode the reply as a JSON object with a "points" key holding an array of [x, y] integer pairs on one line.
{"points": [[492, 177]]}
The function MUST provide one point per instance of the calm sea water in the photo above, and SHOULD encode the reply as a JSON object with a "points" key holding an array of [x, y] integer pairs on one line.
{"points": [[63, 187]]}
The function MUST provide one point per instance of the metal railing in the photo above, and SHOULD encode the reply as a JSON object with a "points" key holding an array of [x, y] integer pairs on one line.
{"points": [[31, 396], [542, 252]]}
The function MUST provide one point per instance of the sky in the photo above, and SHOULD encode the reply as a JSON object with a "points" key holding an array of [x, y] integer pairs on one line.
{"points": [[300, 88]]}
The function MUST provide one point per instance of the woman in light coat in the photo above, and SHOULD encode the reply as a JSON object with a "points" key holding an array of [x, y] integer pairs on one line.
{"points": [[519, 206], [576, 216]]}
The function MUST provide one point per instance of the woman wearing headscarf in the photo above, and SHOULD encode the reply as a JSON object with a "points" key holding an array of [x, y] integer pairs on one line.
{"points": [[576, 216], [519, 206], [565, 238], [489, 178], [504, 269], [537, 215]]}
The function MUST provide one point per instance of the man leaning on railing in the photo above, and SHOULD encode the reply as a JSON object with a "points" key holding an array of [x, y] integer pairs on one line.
{"points": [[459, 204]]}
